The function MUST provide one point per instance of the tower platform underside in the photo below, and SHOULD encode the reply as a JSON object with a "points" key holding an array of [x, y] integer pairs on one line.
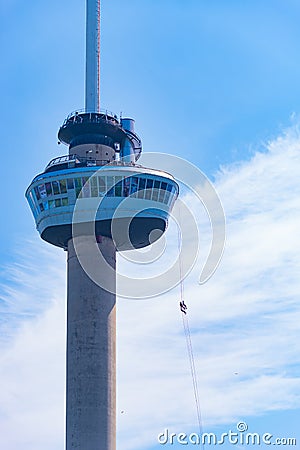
{"points": [[139, 234]]}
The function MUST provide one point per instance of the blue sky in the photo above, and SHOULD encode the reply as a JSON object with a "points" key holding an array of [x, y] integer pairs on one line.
{"points": [[216, 83]]}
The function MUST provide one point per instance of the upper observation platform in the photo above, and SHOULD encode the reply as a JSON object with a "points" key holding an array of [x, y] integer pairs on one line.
{"points": [[103, 129]]}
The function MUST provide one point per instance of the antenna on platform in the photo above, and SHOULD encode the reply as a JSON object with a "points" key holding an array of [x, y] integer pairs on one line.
{"points": [[92, 75]]}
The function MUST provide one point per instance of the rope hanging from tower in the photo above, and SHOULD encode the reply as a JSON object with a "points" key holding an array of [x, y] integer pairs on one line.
{"points": [[183, 308], [189, 345]]}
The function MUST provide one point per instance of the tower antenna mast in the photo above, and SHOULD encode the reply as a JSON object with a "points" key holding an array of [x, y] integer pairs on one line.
{"points": [[92, 74]]}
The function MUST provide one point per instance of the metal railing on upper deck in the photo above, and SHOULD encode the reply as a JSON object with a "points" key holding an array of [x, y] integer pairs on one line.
{"points": [[83, 115], [71, 161]]}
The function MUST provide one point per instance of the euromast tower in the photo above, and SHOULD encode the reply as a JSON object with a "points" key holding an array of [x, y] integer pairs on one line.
{"points": [[97, 177]]}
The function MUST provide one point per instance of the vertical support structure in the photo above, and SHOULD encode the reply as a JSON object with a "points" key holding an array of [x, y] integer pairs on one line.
{"points": [[92, 75], [91, 354]]}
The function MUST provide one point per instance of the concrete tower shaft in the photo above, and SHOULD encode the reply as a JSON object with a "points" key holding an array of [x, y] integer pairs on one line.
{"points": [[91, 354]]}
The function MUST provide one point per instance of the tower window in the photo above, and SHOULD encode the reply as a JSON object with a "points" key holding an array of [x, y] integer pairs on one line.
{"points": [[48, 189], [149, 184], [70, 183], [86, 188], [155, 194], [55, 187], [134, 185], [63, 186], [142, 184], [118, 186], [102, 185], [126, 187], [161, 195], [167, 197], [141, 188], [78, 186], [94, 187], [110, 186], [42, 190], [37, 194]]}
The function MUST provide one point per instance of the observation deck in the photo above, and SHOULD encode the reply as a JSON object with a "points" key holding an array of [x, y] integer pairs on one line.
{"points": [[142, 198]]}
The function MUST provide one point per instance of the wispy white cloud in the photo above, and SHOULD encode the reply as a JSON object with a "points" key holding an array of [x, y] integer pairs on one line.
{"points": [[32, 350], [244, 322]]}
